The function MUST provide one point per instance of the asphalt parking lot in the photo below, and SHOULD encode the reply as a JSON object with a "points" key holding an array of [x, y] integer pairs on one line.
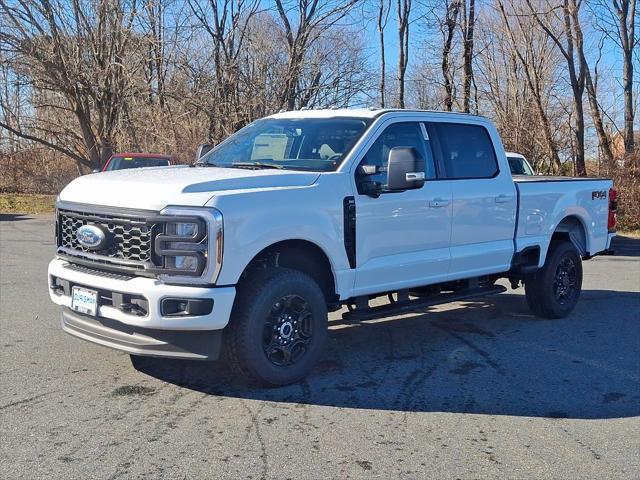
{"points": [[476, 389]]}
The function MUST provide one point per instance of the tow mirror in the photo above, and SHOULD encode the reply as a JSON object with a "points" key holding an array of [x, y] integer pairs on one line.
{"points": [[405, 169], [202, 150]]}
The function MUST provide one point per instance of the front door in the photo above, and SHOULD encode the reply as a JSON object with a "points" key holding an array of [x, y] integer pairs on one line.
{"points": [[402, 238]]}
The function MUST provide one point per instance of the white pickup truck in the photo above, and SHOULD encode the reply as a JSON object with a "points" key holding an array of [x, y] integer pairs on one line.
{"points": [[243, 253]]}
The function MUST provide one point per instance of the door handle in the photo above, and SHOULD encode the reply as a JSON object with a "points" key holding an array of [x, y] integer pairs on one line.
{"points": [[438, 202], [502, 198]]}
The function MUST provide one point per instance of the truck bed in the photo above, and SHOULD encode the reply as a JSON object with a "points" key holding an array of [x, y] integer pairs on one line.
{"points": [[581, 204]]}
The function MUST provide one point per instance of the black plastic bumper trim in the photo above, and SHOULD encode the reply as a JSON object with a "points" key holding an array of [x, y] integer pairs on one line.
{"points": [[183, 344]]}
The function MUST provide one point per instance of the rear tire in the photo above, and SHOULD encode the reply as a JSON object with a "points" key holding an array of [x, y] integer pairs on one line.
{"points": [[278, 327], [553, 291]]}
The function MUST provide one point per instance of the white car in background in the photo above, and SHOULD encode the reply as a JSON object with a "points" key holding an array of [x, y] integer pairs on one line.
{"points": [[519, 165]]}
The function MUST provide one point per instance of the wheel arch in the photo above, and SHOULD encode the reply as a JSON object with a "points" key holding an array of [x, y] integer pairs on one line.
{"points": [[301, 255], [571, 228]]}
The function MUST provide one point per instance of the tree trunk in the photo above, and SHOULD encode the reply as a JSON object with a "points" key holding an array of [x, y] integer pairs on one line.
{"points": [[450, 24], [581, 169], [627, 17], [603, 138], [469, 19], [570, 10], [404, 10], [627, 83], [381, 24]]}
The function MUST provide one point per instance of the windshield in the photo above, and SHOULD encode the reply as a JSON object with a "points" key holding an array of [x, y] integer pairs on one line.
{"points": [[121, 163], [301, 144], [519, 166]]}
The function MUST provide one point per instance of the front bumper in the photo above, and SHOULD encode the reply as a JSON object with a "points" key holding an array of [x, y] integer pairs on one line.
{"points": [[150, 334], [154, 291]]}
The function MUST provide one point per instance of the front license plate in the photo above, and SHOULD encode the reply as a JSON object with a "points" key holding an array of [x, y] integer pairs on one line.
{"points": [[84, 300]]}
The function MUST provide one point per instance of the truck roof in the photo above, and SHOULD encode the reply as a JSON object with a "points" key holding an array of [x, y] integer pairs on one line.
{"points": [[359, 113]]}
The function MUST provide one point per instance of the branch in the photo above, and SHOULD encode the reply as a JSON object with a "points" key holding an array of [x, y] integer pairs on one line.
{"points": [[46, 143]]}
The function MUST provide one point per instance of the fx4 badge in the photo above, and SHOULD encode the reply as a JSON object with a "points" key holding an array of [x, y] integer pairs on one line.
{"points": [[599, 195]]}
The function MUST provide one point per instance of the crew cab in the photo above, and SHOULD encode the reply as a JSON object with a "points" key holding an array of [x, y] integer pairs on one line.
{"points": [[244, 253]]}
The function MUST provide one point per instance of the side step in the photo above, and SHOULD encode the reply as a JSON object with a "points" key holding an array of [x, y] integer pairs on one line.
{"points": [[407, 306]]}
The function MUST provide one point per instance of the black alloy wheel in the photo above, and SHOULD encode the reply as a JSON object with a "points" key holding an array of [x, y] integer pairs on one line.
{"points": [[288, 331]]}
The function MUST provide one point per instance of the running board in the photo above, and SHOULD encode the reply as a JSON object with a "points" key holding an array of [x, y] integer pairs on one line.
{"points": [[408, 306]]}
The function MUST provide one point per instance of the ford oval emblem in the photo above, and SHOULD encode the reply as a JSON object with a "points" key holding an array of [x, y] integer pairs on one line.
{"points": [[91, 236]]}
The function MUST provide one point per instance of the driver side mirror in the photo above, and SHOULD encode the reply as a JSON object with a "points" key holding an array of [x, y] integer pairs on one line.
{"points": [[405, 169], [202, 150]]}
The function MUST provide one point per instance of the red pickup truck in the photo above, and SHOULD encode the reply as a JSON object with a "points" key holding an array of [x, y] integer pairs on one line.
{"points": [[121, 161]]}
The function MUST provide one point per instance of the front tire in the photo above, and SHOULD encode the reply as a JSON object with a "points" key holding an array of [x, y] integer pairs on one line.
{"points": [[553, 291], [278, 327]]}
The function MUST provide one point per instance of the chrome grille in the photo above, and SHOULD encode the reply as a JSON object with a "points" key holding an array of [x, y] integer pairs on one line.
{"points": [[131, 237]]}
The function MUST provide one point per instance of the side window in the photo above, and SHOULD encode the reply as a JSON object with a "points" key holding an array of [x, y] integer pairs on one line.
{"points": [[466, 150], [405, 134]]}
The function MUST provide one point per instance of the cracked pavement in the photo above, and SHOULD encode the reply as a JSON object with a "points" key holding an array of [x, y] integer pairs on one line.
{"points": [[476, 389]]}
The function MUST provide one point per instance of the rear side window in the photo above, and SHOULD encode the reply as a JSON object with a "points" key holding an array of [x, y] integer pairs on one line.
{"points": [[465, 151]]}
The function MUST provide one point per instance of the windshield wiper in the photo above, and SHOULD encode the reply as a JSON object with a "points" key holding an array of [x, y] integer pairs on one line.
{"points": [[257, 165]]}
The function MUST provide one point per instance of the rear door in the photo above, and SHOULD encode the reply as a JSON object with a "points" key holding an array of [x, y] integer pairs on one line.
{"points": [[484, 198], [402, 238]]}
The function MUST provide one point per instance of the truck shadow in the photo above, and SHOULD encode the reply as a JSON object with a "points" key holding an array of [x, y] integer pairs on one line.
{"points": [[626, 246], [483, 357], [14, 217]]}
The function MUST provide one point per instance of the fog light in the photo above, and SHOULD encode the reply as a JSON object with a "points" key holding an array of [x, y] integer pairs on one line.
{"points": [[180, 307]]}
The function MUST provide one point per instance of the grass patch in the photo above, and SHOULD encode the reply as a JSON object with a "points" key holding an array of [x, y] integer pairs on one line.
{"points": [[630, 233], [26, 203]]}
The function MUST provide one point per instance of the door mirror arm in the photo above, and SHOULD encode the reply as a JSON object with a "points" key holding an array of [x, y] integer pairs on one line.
{"points": [[371, 188]]}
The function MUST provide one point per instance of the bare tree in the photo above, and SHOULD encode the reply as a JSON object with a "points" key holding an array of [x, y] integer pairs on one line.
{"points": [[404, 12], [226, 23], [596, 115], [448, 28], [384, 8], [565, 41], [468, 24], [617, 21], [626, 10], [80, 78], [532, 62], [74, 56], [312, 19]]}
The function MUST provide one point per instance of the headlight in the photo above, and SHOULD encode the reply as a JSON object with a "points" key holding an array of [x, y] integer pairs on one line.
{"points": [[189, 248], [183, 229], [182, 262]]}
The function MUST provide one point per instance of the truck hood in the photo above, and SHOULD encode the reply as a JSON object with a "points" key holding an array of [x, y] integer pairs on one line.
{"points": [[157, 187]]}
